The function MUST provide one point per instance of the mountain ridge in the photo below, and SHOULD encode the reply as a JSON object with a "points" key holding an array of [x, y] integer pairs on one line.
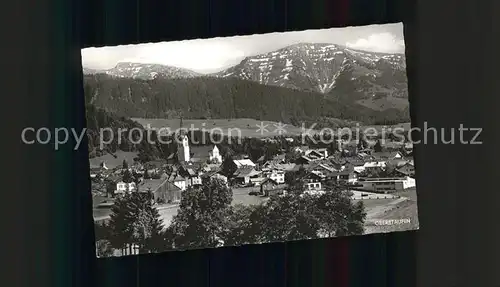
{"points": [[372, 80], [144, 71], [318, 67]]}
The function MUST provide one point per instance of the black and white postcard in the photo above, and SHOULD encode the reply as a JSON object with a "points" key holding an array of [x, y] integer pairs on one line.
{"points": [[250, 139]]}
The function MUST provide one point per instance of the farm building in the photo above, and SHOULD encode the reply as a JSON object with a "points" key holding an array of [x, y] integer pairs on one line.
{"points": [[312, 181], [245, 174], [162, 189]]}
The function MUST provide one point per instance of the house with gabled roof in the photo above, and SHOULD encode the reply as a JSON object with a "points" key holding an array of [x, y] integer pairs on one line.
{"points": [[244, 175], [319, 168], [316, 154], [347, 175], [271, 165], [123, 187], [408, 169], [163, 189], [354, 161], [244, 163], [275, 174], [304, 160], [279, 158], [180, 182], [312, 181], [98, 170], [261, 160], [392, 155], [191, 173], [322, 151]]}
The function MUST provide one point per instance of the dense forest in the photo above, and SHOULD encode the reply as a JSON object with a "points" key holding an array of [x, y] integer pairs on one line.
{"points": [[104, 137], [210, 97]]}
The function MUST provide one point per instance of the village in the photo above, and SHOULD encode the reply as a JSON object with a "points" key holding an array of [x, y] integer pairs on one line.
{"points": [[383, 180]]}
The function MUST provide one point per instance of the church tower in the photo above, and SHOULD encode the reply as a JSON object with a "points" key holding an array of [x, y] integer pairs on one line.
{"points": [[183, 153]]}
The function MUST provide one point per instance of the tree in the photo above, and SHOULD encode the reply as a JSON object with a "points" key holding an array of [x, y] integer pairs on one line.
{"points": [[110, 187], [169, 170], [243, 226], [362, 143], [127, 176], [147, 225], [134, 220], [146, 174], [136, 178], [103, 246], [296, 216], [120, 223], [378, 146], [337, 215], [125, 164], [292, 156], [270, 150], [202, 217], [294, 180], [288, 218], [390, 169], [228, 166], [373, 172]]}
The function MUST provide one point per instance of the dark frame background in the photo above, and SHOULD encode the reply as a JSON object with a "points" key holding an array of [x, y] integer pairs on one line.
{"points": [[449, 48]]}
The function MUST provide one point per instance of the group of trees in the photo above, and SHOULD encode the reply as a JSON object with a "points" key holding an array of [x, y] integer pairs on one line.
{"points": [[211, 97], [206, 218], [390, 170], [134, 223]]}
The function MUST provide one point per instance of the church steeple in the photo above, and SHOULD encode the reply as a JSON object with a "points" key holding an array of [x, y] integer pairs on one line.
{"points": [[183, 153]]}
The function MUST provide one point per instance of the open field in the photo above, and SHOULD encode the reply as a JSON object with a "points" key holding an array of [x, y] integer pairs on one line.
{"points": [[407, 210], [379, 128], [97, 199], [410, 193], [363, 195], [241, 196], [373, 203], [247, 127], [115, 160]]}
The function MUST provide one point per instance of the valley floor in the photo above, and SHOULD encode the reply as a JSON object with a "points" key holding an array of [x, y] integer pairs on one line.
{"points": [[398, 215]]}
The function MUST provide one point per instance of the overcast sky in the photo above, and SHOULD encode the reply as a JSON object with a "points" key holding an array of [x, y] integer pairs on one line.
{"points": [[216, 54]]}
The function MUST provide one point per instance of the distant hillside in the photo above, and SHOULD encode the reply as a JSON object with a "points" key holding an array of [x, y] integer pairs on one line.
{"points": [[99, 119], [144, 71], [210, 97], [375, 80]]}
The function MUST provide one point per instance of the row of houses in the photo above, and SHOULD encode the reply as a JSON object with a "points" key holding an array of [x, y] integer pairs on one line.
{"points": [[168, 181], [354, 171], [165, 180]]}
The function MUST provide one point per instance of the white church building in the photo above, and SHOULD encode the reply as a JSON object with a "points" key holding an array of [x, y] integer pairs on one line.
{"points": [[208, 153]]}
